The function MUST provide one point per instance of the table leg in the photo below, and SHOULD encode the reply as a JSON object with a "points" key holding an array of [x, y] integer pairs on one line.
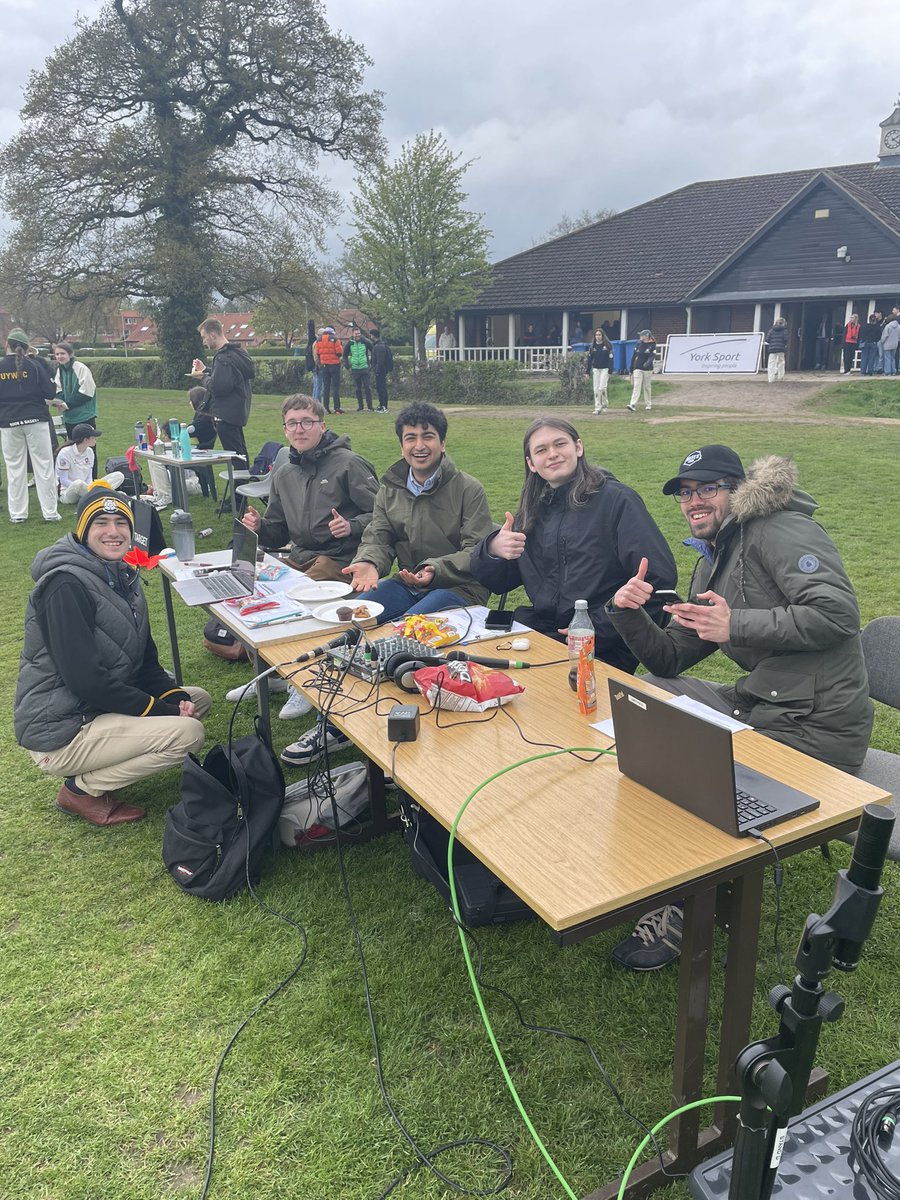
{"points": [[173, 632], [262, 696], [179, 493], [234, 496]]}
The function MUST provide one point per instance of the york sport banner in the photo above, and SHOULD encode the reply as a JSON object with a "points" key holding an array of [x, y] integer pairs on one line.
{"points": [[713, 353]]}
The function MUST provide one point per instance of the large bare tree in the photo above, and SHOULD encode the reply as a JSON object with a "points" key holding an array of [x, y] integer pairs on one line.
{"points": [[167, 141]]}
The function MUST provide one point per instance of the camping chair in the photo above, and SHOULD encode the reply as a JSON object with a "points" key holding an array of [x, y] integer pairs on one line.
{"points": [[259, 489], [260, 467], [881, 648]]}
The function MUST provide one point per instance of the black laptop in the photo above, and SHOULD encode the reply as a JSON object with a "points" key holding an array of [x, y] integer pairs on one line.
{"points": [[690, 761]]}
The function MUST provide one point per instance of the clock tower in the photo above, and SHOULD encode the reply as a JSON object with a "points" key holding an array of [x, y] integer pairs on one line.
{"points": [[889, 150]]}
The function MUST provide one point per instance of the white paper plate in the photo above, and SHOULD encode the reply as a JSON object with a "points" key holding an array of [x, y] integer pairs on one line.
{"points": [[312, 592], [328, 612]]}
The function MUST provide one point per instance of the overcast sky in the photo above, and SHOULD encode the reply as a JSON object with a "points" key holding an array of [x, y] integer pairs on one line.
{"points": [[566, 107]]}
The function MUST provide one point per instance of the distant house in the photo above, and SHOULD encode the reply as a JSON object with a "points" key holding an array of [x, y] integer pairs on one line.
{"points": [[138, 330], [726, 255]]}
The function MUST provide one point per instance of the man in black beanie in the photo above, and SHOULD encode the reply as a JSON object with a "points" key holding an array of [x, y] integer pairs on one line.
{"points": [[93, 705]]}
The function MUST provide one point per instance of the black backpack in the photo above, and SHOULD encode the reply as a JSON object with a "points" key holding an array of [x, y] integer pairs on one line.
{"points": [[483, 898], [229, 802]]}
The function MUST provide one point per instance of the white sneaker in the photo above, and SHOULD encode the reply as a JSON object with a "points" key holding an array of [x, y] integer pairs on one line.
{"points": [[297, 706], [245, 691]]}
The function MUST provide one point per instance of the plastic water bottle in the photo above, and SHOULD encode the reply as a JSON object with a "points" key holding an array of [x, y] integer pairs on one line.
{"points": [[174, 428], [580, 642], [140, 435], [183, 535], [185, 439]]}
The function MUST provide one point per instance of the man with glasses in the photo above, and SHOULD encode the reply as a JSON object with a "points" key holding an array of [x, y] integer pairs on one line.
{"points": [[769, 591], [321, 498]]}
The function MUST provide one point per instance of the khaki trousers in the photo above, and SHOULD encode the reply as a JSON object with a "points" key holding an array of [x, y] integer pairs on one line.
{"points": [[113, 751], [321, 567]]}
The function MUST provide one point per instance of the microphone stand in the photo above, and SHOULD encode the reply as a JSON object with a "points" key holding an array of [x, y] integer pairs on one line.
{"points": [[773, 1074]]}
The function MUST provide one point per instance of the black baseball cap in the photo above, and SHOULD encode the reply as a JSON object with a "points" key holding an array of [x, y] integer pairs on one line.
{"points": [[706, 465], [82, 431]]}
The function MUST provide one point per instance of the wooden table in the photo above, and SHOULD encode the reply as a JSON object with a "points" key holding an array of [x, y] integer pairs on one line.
{"points": [[588, 849]]}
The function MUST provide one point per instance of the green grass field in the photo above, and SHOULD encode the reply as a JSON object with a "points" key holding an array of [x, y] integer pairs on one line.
{"points": [[118, 993]]}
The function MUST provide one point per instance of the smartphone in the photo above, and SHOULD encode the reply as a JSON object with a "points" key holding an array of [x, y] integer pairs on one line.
{"points": [[498, 619], [668, 596]]}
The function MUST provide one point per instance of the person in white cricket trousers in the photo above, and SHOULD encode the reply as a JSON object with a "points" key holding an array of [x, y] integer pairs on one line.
{"points": [[598, 363], [25, 388], [776, 342]]}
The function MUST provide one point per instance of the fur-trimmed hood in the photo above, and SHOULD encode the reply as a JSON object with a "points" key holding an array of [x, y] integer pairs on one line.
{"points": [[769, 487]]}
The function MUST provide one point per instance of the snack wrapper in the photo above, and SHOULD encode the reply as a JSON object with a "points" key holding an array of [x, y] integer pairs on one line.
{"points": [[465, 687], [430, 631]]}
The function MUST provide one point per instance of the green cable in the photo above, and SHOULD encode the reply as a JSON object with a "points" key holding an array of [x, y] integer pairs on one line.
{"points": [[659, 1125], [465, 948]]}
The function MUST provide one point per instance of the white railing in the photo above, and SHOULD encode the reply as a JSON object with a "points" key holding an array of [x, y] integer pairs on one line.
{"points": [[533, 358]]}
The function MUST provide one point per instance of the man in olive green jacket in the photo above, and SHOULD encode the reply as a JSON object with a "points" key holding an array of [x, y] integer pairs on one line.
{"points": [[428, 516], [769, 591]]}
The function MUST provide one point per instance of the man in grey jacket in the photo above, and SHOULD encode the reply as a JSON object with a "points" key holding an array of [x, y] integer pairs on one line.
{"points": [[769, 591]]}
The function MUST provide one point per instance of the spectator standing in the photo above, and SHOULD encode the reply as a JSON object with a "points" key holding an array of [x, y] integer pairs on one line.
{"points": [[328, 350], [228, 382], [76, 463], [310, 358], [25, 387], [851, 341], [642, 370], [598, 364], [76, 392], [776, 343], [890, 339], [382, 364], [447, 341], [869, 337], [824, 332], [358, 356]]}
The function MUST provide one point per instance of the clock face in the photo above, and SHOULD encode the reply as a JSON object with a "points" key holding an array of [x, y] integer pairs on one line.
{"points": [[891, 139]]}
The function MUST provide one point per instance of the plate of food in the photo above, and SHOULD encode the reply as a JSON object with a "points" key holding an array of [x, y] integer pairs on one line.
{"points": [[343, 612], [315, 591]]}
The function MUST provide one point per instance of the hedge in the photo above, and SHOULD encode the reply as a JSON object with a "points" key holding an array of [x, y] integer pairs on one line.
{"points": [[274, 376]]}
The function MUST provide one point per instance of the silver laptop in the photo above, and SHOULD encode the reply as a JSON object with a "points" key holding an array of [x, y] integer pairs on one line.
{"points": [[690, 761], [232, 581]]}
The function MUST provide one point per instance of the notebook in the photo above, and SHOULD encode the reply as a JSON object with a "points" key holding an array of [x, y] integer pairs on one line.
{"points": [[690, 762], [232, 582]]}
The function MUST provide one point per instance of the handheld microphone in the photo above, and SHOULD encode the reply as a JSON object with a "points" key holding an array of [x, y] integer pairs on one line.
{"points": [[503, 664], [864, 875], [350, 638]]}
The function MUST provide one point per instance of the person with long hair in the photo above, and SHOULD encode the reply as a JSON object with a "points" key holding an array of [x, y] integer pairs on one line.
{"points": [[76, 392], [598, 364], [25, 388], [578, 534]]}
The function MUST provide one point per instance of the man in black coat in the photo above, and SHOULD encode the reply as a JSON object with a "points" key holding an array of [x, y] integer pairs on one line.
{"points": [[228, 382]]}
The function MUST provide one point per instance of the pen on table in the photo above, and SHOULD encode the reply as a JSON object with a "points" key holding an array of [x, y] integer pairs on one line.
{"points": [[283, 617]]}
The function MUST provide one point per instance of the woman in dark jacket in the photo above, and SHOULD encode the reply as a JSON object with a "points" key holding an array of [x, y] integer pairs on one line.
{"points": [[25, 388], [579, 534], [598, 364]]}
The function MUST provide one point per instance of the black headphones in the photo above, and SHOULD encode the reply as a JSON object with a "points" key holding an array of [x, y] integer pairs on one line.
{"points": [[403, 672]]}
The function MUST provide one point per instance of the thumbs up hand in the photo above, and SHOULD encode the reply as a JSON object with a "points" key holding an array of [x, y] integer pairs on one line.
{"points": [[506, 543], [637, 591], [338, 525]]}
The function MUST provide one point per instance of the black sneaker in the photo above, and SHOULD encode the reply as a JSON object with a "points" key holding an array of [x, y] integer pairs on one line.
{"points": [[655, 942], [311, 745]]}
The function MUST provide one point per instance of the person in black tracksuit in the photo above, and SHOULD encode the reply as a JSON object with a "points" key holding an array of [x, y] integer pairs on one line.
{"points": [[203, 428], [641, 368], [579, 534], [382, 364]]}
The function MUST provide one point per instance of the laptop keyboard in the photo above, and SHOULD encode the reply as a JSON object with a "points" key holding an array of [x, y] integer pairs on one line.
{"points": [[223, 585], [749, 809]]}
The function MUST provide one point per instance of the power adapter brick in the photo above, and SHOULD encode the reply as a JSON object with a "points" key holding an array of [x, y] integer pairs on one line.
{"points": [[403, 723]]}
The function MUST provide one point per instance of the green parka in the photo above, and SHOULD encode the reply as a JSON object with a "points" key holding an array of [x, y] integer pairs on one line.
{"points": [[439, 528], [794, 622]]}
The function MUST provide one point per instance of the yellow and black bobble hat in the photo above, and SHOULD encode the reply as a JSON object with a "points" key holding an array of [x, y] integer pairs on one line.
{"points": [[97, 500]]}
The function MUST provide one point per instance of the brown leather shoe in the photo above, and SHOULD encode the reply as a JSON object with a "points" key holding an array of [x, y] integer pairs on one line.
{"points": [[106, 809]]}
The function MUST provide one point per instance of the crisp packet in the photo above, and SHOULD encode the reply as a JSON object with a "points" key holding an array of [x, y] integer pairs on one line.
{"points": [[465, 686], [431, 631], [271, 572]]}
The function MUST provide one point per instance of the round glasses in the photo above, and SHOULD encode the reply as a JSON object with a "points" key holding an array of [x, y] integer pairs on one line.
{"points": [[306, 423], [705, 491]]}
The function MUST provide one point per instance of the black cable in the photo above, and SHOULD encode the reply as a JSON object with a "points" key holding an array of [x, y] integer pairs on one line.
{"points": [[779, 879], [279, 987], [553, 746], [425, 1158], [870, 1134]]}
